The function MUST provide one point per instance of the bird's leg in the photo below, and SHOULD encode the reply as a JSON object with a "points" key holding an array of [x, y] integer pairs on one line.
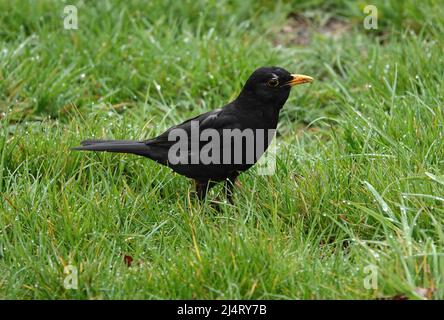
{"points": [[202, 188]]}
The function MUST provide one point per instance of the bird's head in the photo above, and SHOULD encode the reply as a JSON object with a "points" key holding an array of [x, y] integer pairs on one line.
{"points": [[271, 85]]}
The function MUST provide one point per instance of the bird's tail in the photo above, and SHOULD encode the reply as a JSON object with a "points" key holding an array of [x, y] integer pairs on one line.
{"points": [[121, 146]]}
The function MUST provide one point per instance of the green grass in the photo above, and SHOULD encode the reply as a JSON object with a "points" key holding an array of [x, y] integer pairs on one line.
{"points": [[360, 169]]}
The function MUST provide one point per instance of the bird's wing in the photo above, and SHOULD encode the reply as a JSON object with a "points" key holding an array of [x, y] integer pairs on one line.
{"points": [[217, 119], [160, 147]]}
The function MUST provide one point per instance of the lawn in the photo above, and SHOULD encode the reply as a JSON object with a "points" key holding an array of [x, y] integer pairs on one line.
{"points": [[354, 210]]}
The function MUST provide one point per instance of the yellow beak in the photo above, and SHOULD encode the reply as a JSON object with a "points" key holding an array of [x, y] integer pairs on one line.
{"points": [[299, 79]]}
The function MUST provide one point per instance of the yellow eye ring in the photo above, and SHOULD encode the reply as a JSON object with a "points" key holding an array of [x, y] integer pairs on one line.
{"points": [[273, 83]]}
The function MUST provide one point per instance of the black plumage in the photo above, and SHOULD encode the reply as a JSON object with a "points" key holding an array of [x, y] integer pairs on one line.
{"points": [[257, 107]]}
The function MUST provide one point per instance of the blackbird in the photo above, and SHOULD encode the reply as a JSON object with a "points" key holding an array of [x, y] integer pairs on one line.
{"points": [[202, 148]]}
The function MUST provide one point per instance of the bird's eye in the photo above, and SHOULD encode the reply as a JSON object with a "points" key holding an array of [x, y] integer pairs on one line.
{"points": [[273, 82]]}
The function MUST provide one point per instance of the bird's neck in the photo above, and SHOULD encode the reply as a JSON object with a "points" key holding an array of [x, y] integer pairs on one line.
{"points": [[250, 101], [259, 111]]}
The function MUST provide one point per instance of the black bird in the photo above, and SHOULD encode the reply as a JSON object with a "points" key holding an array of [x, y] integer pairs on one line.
{"points": [[255, 109]]}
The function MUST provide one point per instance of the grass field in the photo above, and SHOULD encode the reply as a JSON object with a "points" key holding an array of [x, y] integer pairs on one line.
{"points": [[359, 185]]}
